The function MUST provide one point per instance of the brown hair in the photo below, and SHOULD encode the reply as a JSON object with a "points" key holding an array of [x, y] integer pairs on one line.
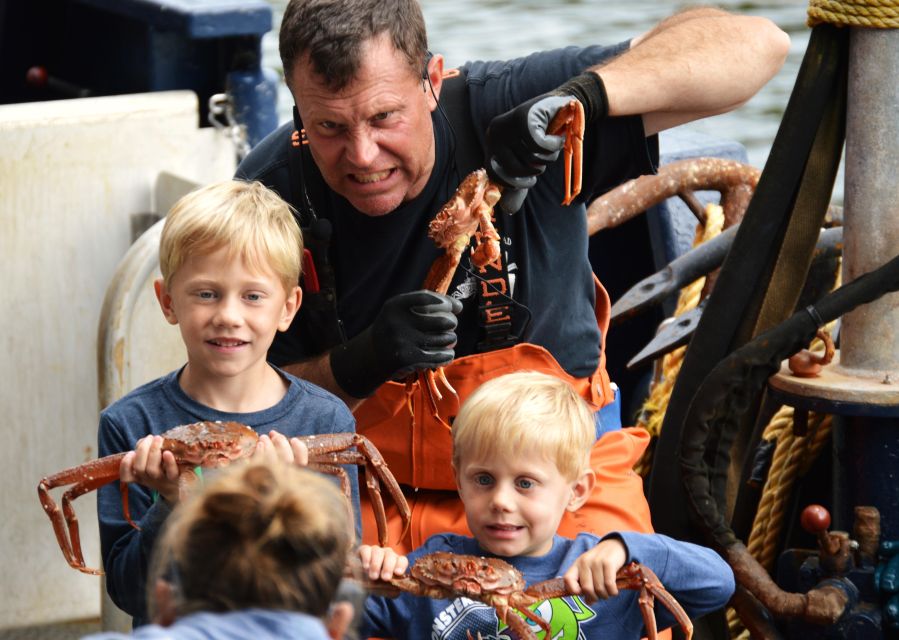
{"points": [[267, 535], [332, 32], [526, 411]]}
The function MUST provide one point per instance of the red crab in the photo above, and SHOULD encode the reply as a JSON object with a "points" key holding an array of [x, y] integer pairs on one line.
{"points": [[470, 213], [498, 584], [210, 445]]}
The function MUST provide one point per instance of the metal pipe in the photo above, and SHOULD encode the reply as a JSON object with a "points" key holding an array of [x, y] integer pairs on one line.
{"points": [[868, 336], [869, 344]]}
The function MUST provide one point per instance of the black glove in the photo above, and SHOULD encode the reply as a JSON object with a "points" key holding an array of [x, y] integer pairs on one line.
{"points": [[414, 330], [518, 147]]}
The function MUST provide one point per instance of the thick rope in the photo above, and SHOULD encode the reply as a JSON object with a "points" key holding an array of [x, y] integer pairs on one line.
{"points": [[652, 413], [879, 14]]}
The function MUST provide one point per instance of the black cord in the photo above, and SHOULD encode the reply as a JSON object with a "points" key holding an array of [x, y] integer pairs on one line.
{"points": [[452, 138]]}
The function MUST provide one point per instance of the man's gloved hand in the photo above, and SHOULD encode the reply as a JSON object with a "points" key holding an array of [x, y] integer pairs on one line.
{"points": [[518, 147], [414, 330]]}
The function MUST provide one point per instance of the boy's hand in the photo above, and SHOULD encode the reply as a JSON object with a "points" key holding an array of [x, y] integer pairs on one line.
{"points": [[150, 466], [276, 446], [382, 562], [593, 574]]}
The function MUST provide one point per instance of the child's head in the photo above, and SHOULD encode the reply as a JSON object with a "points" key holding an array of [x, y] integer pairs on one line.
{"points": [[526, 411], [265, 535], [521, 447], [252, 221]]}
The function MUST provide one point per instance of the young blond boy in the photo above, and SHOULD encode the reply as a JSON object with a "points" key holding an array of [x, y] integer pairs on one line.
{"points": [[521, 447], [230, 256]]}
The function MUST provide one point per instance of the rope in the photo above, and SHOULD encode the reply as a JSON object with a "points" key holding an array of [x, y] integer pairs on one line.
{"points": [[881, 14], [652, 413]]}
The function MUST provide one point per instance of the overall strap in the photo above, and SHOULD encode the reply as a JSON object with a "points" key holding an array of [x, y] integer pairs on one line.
{"points": [[495, 307], [319, 310]]}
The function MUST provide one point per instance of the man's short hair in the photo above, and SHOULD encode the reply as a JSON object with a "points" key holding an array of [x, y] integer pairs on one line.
{"points": [[332, 33]]}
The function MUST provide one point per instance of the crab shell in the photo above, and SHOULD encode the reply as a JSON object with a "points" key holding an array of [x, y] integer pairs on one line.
{"points": [[467, 575], [210, 444]]}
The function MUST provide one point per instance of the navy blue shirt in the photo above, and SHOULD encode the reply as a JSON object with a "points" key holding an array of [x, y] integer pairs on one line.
{"points": [[544, 244]]}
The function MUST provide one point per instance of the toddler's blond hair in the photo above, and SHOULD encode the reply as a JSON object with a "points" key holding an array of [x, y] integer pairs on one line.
{"points": [[524, 412]]}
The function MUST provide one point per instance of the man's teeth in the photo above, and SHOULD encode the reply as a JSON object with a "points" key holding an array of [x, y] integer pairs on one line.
{"points": [[371, 177]]}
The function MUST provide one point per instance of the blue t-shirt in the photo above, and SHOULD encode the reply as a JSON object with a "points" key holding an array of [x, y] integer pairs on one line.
{"points": [[697, 577], [544, 244], [156, 407], [258, 624]]}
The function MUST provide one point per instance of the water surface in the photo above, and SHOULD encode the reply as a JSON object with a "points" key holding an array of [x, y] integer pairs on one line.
{"points": [[497, 29]]}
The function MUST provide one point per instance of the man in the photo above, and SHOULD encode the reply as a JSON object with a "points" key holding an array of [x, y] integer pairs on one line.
{"points": [[378, 158]]}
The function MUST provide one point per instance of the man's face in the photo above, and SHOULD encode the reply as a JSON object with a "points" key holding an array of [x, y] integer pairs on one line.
{"points": [[373, 141]]}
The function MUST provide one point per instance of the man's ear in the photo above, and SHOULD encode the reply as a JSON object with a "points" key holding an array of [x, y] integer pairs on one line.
{"points": [[165, 301], [291, 306], [434, 79], [581, 489]]}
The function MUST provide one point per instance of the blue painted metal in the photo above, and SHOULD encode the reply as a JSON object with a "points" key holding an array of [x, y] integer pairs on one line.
{"points": [[255, 96], [112, 47], [194, 18]]}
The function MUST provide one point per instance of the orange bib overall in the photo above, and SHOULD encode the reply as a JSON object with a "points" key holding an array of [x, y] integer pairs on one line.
{"points": [[418, 447]]}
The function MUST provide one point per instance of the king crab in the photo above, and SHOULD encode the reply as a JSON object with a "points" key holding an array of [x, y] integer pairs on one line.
{"points": [[211, 445], [470, 213], [497, 583]]}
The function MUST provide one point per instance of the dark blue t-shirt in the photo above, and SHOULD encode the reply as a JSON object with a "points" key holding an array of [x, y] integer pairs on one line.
{"points": [[157, 406], [544, 244]]}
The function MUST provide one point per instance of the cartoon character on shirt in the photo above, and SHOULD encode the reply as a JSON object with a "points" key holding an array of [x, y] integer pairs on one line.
{"points": [[563, 614]]}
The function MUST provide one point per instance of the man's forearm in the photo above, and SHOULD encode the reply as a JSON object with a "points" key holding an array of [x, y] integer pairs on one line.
{"points": [[695, 64], [318, 371]]}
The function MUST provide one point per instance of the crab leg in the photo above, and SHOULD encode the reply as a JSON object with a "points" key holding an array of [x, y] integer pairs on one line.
{"points": [[65, 523], [637, 576], [517, 623], [569, 121], [329, 450]]}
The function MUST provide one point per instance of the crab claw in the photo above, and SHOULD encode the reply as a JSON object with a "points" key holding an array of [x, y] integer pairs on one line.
{"points": [[569, 121]]}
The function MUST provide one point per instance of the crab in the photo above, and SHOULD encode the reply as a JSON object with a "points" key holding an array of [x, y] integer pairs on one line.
{"points": [[470, 213], [569, 121], [212, 445], [497, 583]]}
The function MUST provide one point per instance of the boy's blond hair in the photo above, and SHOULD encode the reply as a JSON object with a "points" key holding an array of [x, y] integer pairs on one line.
{"points": [[523, 412], [248, 218]]}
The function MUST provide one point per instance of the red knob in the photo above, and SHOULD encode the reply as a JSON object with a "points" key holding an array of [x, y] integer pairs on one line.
{"points": [[36, 76], [815, 519]]}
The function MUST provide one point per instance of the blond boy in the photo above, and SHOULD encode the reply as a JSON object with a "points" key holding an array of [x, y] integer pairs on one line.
{"points": [[521, 447], [230, 256]]}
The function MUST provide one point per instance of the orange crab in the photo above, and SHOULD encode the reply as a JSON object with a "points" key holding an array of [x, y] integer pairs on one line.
{"points": [[470, 213], [211, 445], [497, 583]]}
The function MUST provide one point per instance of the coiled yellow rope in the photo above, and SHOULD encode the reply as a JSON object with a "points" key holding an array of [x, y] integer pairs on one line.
{"points": [[879, 14], [653, 412]]}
